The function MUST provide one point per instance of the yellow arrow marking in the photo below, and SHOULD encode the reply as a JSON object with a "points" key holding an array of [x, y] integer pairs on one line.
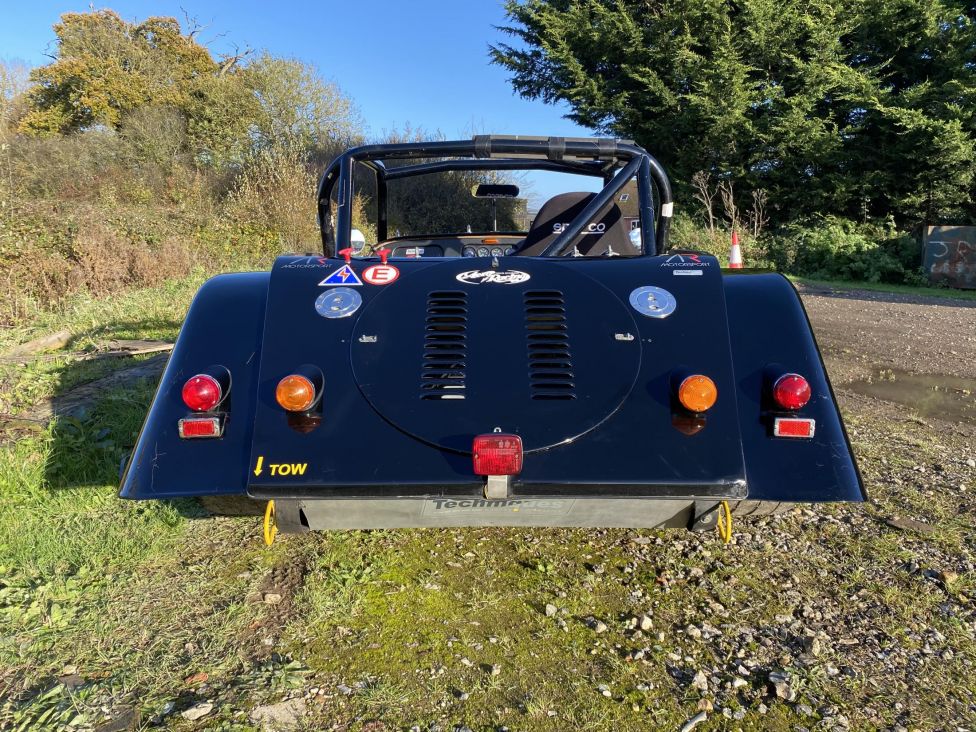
{"points": [[257, 468]]}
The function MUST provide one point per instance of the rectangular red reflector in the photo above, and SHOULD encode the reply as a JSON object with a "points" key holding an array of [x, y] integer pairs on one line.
{"points": [[199, 427], [497, 454], [793, 427]]}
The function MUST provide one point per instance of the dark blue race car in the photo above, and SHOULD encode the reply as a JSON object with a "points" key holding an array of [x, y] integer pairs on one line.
{"points": [[580, 373]]}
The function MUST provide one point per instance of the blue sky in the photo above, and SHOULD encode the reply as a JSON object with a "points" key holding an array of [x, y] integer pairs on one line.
{"points": [[421, 62]]}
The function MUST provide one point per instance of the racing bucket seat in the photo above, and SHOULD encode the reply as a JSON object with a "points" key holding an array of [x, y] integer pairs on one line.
{"points": [[607, 235]]}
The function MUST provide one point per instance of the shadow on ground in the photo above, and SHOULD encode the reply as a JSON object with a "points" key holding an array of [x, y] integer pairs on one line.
{"points": [[91, 443], [99, 407]]}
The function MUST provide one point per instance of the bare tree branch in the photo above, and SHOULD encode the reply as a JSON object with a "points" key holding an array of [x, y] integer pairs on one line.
{"points": [[757, 218], [705, 194], [727, 192], [193, 27], [229, 61]]}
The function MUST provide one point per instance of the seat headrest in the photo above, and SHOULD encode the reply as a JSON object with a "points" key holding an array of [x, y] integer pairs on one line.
{"points": [[605, 234]]}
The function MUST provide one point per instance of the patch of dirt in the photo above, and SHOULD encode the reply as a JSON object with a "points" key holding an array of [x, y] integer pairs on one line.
{"points": [[278, 590]]}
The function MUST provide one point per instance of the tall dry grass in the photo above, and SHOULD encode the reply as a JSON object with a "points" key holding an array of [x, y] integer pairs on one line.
{"points": [[47, 259], [95, 212], [274, 194]]}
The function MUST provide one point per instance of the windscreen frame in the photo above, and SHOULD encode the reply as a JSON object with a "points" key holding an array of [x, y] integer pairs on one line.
{"points": [[615, 161]]}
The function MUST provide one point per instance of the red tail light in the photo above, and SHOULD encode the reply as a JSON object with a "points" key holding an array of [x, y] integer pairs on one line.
{"points": [[202, 393], [497, 454], [791, 391]]}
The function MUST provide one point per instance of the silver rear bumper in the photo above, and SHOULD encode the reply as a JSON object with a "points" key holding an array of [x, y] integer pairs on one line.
{"points": [[297, 515]]}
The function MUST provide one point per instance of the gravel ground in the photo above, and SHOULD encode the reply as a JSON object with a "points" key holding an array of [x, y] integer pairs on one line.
{"points": [[859, 330]]}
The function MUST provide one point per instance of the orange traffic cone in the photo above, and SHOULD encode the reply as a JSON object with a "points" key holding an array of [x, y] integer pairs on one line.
{"points": [[735, 257]]}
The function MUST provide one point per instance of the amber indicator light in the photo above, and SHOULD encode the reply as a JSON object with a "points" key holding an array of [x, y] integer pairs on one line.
{"points": [[697, 393], [295, 393]]}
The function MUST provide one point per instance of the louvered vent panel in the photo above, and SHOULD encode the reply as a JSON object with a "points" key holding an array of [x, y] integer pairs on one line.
{"points": [[442, 374], [550, 360]]}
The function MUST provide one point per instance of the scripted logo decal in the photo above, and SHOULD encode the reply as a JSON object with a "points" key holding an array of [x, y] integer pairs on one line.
{"points": [[493, 277], [528, 505], [685, 260]]}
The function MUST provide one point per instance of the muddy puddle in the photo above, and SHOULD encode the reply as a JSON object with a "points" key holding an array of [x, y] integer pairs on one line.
{"points": [[950, 398]]}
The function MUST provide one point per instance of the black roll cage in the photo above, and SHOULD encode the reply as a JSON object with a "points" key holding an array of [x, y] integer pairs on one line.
{"points": [[599, 157]]}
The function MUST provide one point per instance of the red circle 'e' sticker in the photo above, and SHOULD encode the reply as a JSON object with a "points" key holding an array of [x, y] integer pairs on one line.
{"points": [[381, 274]]}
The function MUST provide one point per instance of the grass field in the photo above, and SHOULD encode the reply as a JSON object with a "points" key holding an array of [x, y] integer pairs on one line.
{"points": [[138, 612]]}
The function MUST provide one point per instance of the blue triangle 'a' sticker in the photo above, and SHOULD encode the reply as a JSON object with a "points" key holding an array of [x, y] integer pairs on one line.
{"points": [[343, 276]]}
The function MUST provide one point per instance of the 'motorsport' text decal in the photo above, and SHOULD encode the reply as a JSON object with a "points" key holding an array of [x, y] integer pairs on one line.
{"points": [[684, 260], [493, 277]]}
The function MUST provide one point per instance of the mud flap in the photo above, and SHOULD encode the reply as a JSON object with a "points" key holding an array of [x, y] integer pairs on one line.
{"points": [[290, 518], [704, 516]]}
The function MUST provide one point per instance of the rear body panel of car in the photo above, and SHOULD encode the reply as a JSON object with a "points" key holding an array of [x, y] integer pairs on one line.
{"points": [[604, 441]]}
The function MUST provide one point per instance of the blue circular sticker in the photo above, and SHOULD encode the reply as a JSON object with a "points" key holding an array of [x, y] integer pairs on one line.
{"points": [[339, 302]]}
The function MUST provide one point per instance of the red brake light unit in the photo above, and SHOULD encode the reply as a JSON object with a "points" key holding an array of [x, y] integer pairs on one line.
{"points": [[497, 454], [791, 391], [202, 392]]}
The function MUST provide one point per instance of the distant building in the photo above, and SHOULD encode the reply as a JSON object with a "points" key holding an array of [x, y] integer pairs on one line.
{"points": [[627, 202]]}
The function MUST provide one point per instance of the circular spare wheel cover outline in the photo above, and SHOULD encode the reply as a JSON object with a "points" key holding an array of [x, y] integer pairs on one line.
{"points": [[587, 293]]}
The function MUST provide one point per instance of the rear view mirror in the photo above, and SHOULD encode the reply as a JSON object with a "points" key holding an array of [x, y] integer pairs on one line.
{"points": [[495, 190]]}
